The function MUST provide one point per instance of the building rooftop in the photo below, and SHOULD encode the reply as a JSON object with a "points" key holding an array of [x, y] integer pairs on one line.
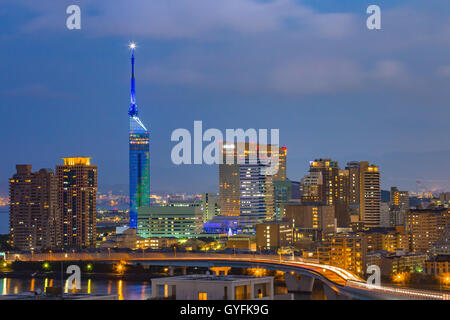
{"points": [[384, 230], [206, 277], [440, 258], [67, 296], [393, 255], [436, 210], [275, 222], [75, 161]]}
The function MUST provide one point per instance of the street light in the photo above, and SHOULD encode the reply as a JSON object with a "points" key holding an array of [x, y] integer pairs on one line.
{"points": [[445, 279], [120, 268], [400, 277]]}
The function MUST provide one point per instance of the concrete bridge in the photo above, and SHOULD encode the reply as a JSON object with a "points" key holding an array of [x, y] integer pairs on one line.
{"points": [[338, 283]]}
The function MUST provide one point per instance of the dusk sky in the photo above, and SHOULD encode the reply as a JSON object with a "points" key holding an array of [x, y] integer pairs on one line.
{"points": [[309, 68]]}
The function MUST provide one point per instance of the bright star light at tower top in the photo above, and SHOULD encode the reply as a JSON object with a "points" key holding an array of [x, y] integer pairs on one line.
{"points": [[132, 45]]}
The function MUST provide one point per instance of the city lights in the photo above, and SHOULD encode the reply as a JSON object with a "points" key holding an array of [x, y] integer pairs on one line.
{"points": [[401, 277], [162, 173], [120, 268], [445, 279]]}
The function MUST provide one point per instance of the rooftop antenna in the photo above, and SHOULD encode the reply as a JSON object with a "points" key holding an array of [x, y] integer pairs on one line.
{"points": [[133, 111]]}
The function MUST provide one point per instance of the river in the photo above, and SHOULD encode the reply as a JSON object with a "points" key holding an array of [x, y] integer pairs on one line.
{"points": [[124, 289]]}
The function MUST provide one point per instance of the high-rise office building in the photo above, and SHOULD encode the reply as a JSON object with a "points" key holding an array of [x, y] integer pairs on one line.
{"points": [[273, 235], [333, 189], [245, 190], [329, 171], [364, 193], [311, 220], [282, 159], [399, 198], [311, 186], [341, 194], [33, 209], [210, 206], [354, 185], [77, 192], [353, 191], [139, 156], [385, 218], [370, 195], [398, 207], [179, 220], [285, 191]]}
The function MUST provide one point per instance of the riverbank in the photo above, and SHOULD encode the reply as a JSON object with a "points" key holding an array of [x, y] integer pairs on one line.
{"points": [[91, 275], [92, 270]]}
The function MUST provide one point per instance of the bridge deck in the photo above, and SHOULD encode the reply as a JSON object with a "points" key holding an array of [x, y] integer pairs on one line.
{"points": [[338, 279]]}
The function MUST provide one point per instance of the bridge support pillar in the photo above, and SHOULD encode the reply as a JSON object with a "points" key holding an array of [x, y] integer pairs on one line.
{"points": [[330, 293], [333, 295], [305, 284], [171, 271], [220, 271], [184, 270]]}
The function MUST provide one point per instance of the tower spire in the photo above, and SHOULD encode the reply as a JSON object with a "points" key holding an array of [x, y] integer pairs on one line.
{"points": [[139, 139], [133, 111]]}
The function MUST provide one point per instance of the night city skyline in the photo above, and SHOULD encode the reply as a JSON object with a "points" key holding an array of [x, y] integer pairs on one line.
{"points": [[380, 105], [225, 150]]}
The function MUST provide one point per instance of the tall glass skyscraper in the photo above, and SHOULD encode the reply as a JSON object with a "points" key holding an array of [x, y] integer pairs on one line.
{"points": [[139, 156], [245, 192]]}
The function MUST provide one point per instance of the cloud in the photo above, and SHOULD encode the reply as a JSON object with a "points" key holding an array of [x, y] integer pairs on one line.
{"points": [[392, 74], [279, 46], [286, 74], [311, 76], [444, 71], [34, 91], [187, 19], [389, 69]]}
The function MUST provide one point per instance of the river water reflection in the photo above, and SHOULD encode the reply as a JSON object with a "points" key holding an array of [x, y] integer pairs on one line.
{"points": [[125, 290]]}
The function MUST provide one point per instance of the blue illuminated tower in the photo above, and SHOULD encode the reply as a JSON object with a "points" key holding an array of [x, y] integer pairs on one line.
{"points": [[139, 155]]}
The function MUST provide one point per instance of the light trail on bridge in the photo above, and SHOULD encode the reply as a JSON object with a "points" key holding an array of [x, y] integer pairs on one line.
{"points": [[339, 279]]}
